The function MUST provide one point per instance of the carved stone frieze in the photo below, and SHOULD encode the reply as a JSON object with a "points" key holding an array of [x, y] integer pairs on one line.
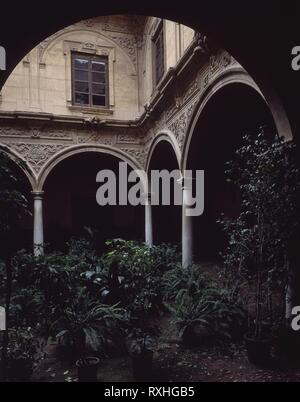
{"points": [[36, 154], [128, 138], [96, 138], [138, 154], [180, 124], [35, 132], [128, 44], [192, 89]]}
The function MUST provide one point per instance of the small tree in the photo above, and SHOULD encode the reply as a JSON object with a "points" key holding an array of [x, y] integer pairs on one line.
{"points": [[13, 205], [267, 178]]}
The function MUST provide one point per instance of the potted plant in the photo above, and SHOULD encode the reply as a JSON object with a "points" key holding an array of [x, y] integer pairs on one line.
{"points": [[141, 346], [266, 178], [206, 313], [24, 351], [86, 325]]}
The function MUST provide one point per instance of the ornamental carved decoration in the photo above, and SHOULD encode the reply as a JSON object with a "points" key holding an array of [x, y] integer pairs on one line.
{"points": [[128, 138], [96, 139], [179, 126], [138, 154], [36, 155], [35, 132], [128, 44]]}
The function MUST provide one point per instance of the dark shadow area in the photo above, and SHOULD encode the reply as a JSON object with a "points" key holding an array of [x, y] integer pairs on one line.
{"points": [[70, 203], [166, 218], [19, 235], [232, 112]]}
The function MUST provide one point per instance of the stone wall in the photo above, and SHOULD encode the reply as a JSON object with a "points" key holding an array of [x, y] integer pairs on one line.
{"points": [[39, 125], [41, 83]]}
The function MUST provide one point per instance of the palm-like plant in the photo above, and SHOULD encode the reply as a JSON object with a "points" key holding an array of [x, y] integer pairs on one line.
{"points": [[87, 324]]}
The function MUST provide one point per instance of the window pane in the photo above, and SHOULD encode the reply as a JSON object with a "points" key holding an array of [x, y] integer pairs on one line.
{"points": [[82, 99], [99, 101], [83, 64], [98, 77], [82, 86], [99, 89], [81, 75], [98, 66]]}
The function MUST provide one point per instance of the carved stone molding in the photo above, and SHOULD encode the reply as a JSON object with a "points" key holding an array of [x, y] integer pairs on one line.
{"points": [[36, 155], [191, 91], [128, 44], [128, 138], [37, 132], [138, 154], [179, 126], [96, 139]]}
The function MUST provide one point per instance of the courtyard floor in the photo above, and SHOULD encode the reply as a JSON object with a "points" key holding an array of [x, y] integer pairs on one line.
{"points": [[173, 363]]}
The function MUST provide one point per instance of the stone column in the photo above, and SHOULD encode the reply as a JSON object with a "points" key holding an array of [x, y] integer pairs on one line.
{"points": [[38, 227], [187, 224], [148, 220]]}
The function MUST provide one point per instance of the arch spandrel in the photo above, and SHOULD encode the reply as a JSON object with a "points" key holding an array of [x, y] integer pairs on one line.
{"points": [[78, 149], [21, 163]]}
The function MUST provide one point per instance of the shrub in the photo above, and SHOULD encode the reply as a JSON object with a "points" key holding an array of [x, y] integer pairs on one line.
{"points": [[266, 175], [182, 278], [23, 352], [131, 274], [87, 324]]}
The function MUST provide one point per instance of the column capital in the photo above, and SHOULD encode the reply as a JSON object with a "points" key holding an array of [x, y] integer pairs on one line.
{"points": [[37, 195]]}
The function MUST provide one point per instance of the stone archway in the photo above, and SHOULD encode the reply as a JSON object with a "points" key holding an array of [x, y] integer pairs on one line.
{"points": [[69, 192], [222, 26], [77, 149], [235, 75], [164, 156], [229, 113], [21, 163]]}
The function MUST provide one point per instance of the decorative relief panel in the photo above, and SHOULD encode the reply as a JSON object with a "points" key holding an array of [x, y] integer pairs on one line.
{"points": [[138, 154], [96, 139], [192, 90], [36, 154], [128, 138], [127, 43], [179, 126], [36, 132]]}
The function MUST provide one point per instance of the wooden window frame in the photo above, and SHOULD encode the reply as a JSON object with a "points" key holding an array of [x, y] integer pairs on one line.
{"points": [[160, 30], [90, 58]]}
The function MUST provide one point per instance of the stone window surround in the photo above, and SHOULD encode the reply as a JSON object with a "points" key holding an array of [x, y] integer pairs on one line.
{"points": [[71, 46]]}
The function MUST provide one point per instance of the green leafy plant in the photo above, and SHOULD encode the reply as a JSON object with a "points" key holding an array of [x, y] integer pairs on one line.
{"points": [[13, 206], [24, 351], [142, 341], [179, 279], [87, 324], [265, 173], [131, 274], [213, 311]]}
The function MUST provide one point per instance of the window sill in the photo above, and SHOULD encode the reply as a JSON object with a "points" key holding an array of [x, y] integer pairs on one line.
{"points": [[91, 110]]}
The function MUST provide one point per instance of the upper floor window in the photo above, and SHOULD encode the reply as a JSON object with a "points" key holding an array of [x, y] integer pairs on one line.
{"points": [[90, 80], [159, 53]]}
